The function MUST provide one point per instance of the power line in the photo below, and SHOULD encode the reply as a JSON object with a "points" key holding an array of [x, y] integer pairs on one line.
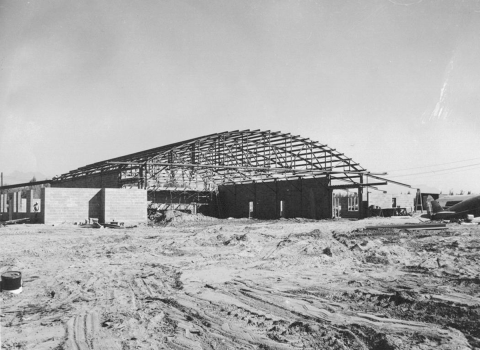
{"points": [[438, 171], [428, 166]]}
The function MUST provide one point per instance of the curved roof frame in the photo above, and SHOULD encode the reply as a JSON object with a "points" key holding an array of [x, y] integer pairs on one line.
{"points": [[227, 158]]}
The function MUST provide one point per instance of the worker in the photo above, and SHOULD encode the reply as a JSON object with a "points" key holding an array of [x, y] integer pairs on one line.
{"points": [[36, 209]]}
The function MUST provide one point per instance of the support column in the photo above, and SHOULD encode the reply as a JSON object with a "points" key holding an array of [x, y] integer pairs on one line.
{"points": [[140, 173], [17, 202], [2, 206], [11, 205], [29, 201], [330, 197], [361, 213]]}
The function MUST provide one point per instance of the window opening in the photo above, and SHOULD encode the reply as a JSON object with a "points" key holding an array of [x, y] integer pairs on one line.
{"points": [[336, 206], [353, 202]]}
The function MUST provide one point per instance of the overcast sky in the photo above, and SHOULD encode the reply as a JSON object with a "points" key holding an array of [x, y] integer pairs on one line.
{"points": [[394, 84]]}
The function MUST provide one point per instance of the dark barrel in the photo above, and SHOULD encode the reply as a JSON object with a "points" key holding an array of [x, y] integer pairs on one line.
{"points": [[11, 280]]}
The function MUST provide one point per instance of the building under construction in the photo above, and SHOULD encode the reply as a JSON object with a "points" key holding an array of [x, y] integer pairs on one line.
{"points": [[249, 173]]}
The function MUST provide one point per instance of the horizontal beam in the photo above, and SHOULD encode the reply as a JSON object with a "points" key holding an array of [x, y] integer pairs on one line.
{"points": [[187, 165], [356, 185], [393, 182], [204, 166], [26, 184]]}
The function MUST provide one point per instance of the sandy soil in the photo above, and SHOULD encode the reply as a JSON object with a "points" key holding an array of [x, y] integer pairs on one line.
{"points": [[242, 284]]}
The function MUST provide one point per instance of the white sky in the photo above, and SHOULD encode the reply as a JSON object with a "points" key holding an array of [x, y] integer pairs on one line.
{"points": [[394, 84]]}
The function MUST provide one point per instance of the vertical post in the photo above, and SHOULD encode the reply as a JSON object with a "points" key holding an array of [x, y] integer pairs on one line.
{"points": [[29, 201], [11, 205], [361, 213], [330, 205], [17, 203], [145, 173], [43, 203], [4, 203], [368, 198], [255, 200], [140, 173], [418, 201]]}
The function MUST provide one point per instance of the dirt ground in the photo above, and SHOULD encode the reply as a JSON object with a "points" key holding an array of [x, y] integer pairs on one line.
{"points": [[242, 284]]}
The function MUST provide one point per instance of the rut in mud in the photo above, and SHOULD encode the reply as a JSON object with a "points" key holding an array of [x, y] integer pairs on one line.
{"points": [[240, 284]]}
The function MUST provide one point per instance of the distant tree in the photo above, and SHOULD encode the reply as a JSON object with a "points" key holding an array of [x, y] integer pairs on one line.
{"points": [[469, 192], [461, 192], [34, 179], [450, 192]]}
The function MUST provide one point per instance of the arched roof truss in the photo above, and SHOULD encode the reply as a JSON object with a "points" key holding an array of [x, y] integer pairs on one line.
{"points": [[229, 157]]}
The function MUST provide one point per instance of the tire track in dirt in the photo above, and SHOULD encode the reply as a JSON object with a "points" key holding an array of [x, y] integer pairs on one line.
{"points": [[308, 311], [83, 333]]}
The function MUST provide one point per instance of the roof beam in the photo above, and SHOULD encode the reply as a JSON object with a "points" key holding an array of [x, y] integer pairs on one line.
{"points": [[357, 185]]}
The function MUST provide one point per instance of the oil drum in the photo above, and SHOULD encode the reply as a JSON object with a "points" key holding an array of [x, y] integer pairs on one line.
{"points": [[12, 282]]}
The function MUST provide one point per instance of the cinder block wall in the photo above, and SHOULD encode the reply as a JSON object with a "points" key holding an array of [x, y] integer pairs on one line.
{"points": [[69, 204], [80, 204], [124, 205], [380, 199], [405, 201], [308, 198]]}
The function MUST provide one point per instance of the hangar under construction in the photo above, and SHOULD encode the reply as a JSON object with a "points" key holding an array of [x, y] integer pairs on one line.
{"points": [[249, 173]]}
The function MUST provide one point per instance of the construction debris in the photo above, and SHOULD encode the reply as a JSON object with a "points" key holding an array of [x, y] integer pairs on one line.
{"points": [[409, 227], [13, 222]]}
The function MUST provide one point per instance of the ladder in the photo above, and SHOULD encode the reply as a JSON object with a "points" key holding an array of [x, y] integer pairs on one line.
{"points": [[418, 201]]}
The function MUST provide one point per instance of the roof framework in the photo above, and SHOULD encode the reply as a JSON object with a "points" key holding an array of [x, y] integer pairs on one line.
{"points": [[229, 157]]}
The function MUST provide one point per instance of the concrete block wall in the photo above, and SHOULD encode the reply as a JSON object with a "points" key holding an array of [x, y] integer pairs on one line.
{"points": [[80, 204], [308, 198], [124, 205], [380, 199], [69, 204], [405, 201]]}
